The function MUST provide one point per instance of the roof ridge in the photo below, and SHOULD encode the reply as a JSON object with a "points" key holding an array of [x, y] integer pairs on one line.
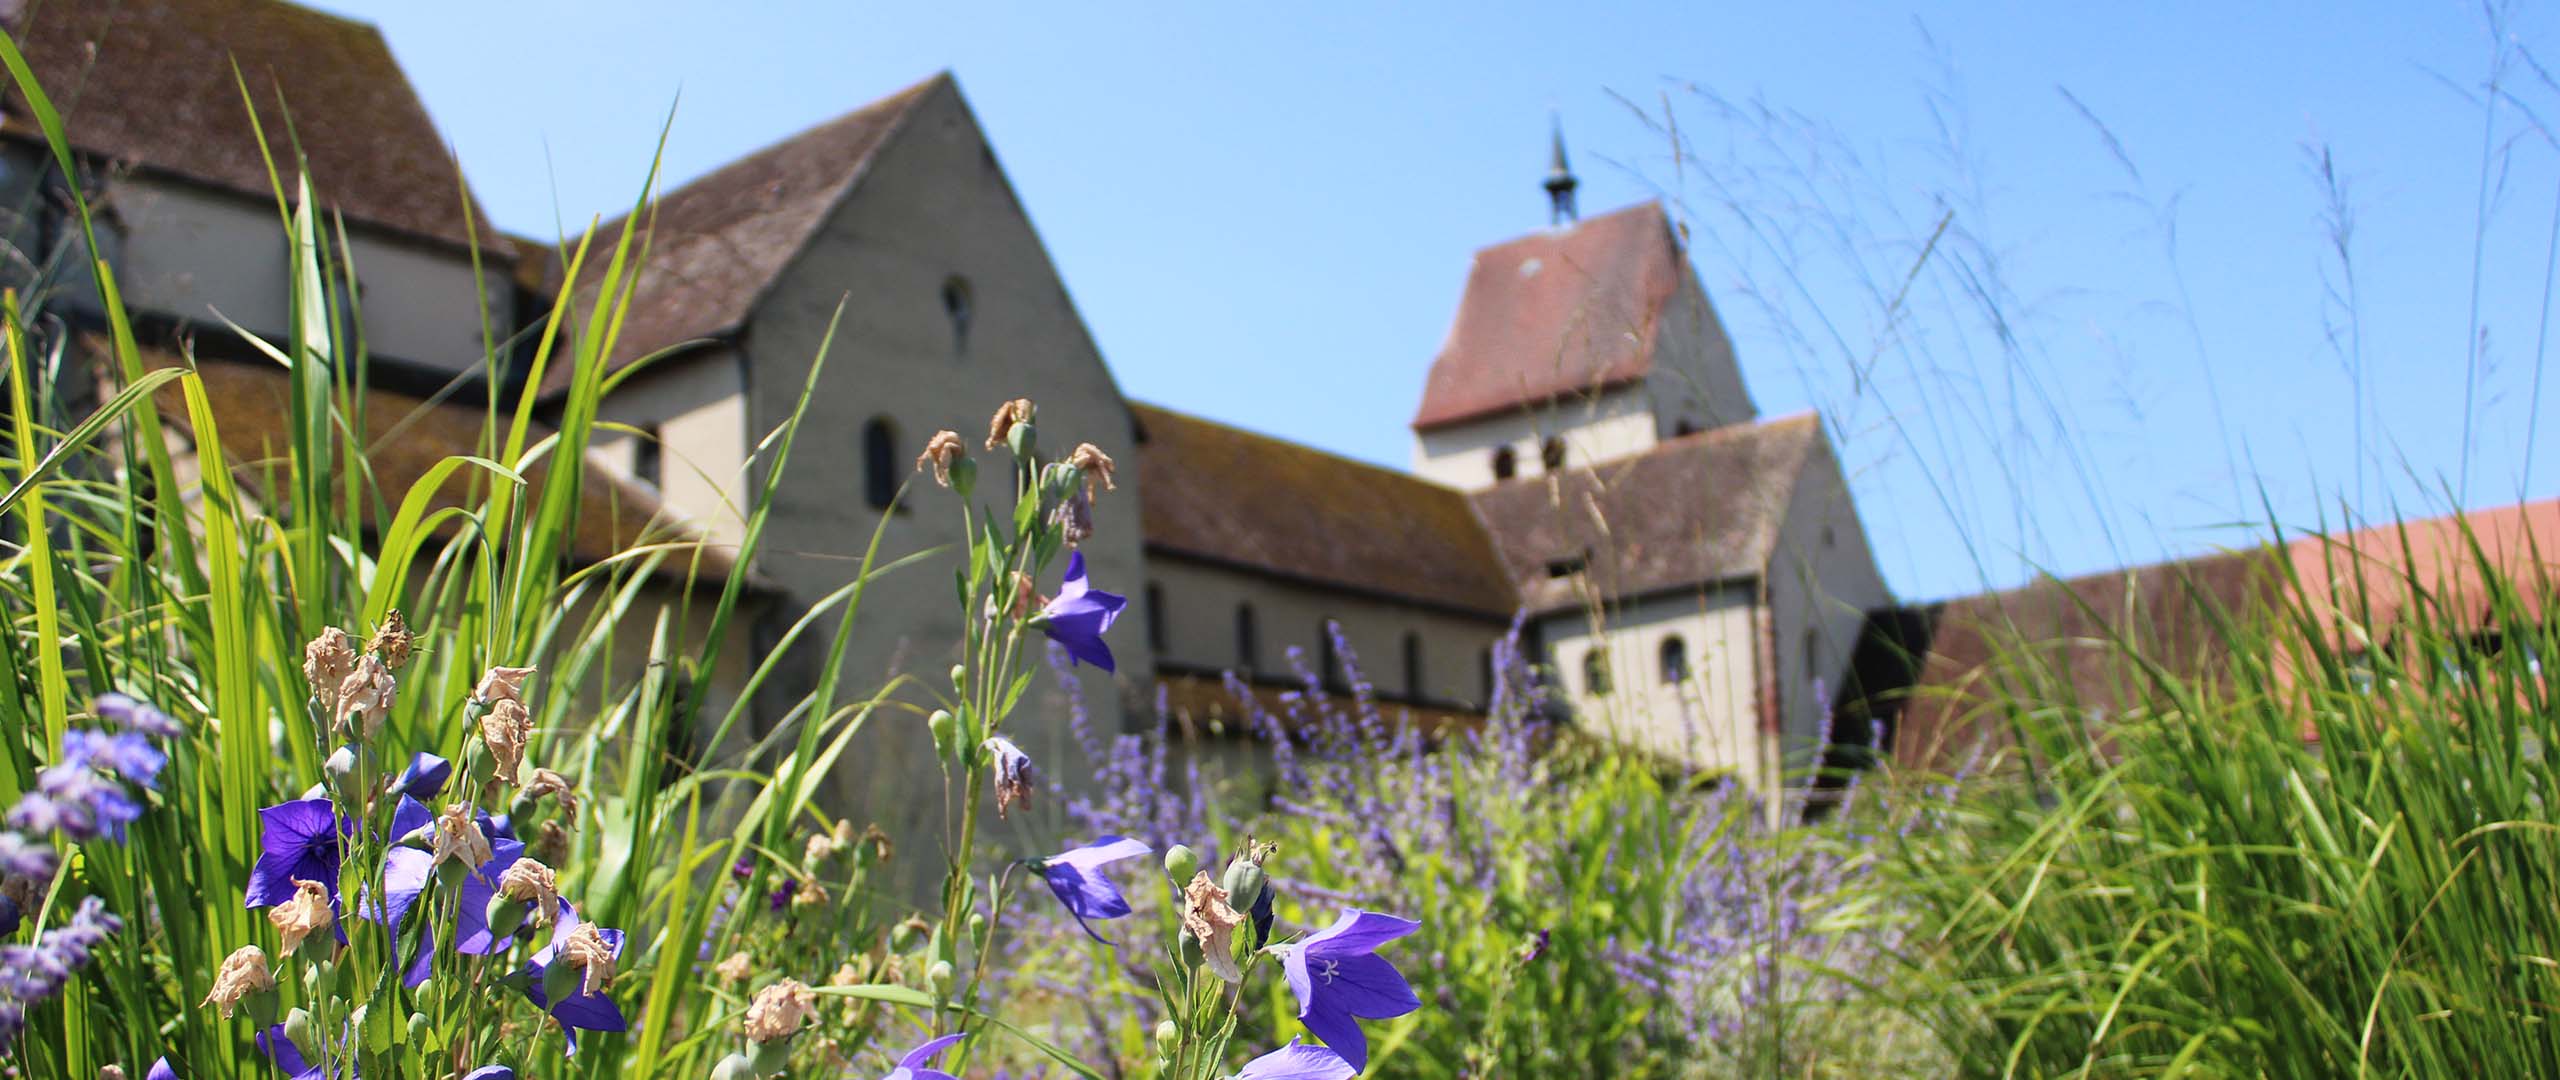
{"points": [[1293, 444], [904, 98]]}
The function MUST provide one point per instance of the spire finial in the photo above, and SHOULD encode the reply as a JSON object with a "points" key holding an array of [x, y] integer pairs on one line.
{"points": [[1560, 182]]}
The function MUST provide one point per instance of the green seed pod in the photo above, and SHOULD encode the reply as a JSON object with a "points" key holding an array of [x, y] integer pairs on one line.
{"points": [[1244, 883], [977, 927], [561, 981], [1180, 862], [940, 975], [1022, 440], [262, 1006], [906, 936], [421, 1032], [734, 1067], [297, 1027], [959, 676], [964, 476], [946, 733], [505, 916], [768, 1058]]}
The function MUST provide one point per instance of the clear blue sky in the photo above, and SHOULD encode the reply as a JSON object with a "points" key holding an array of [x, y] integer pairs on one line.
{"points": [[1266, 217]]}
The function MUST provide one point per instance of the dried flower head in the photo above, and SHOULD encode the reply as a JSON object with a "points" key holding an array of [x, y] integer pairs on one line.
{"points": [[810, 894], [458, 837], [846, 975], [528, 881], [882, 848], [393, 642], [939, 452], [736, 968], [587, 951], [550, 843], [1016, 411], [1074, 518], [365, 697], [779, 1011], [326, 661], [502, 684], [1096, 467], [505, 729], [305, 914], [820, 848], [110, 1072], [1026, 596], [1016, 776], [547, 782], [1208, 919], [243, 973]]}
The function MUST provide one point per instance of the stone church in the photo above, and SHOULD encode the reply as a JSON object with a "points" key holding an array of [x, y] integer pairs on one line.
{"points": [[1587, 460]]}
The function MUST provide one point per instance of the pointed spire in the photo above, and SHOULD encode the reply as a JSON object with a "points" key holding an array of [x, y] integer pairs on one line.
{"points": [[1560, 183]]}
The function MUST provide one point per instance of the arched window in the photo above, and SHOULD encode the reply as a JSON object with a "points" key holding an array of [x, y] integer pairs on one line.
{"points": [[1248, 647], [647, 459], [1155, 617], [1595, 672], [1675, 660], [879, 463], [1328, 659], [1551, 453], [957, 303], [1505, 463], [1684, 426], [1413, 665]]}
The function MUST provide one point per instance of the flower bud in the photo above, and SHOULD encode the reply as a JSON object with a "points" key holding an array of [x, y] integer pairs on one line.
{"points": [[768, 1058], [1167, 1034], [959, 676], [964, 476], [940, 975], [946, 733], [734, 1067], [1022, 441], [1058, 479], [560, 981], [977, 927], [505, 916], [420, 1031], [1180, 862], [1245, 881], [297, 1027], [906, 936], [341, 771]]}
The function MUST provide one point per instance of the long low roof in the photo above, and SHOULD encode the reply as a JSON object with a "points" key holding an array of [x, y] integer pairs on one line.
{"points": [[1230, 496]]}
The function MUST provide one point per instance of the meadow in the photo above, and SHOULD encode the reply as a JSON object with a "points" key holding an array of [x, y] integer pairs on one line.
{"points": [[313, 778]]}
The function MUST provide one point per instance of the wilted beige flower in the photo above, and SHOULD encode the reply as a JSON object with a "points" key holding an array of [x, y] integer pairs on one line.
{"points": [[546, 782], [939, 452], [550, 843], [846, 975], [820, 848], [1208, 919], [736, 968], [307, 913], [779, 1011], [393, 642], [1016, 411], [502, 684], [243, 973], [365, 697], [587, 951], [529, 881], [326, 661], [1096, 467], [505, 729], [882, 849], [459, 837], [810, 894]]}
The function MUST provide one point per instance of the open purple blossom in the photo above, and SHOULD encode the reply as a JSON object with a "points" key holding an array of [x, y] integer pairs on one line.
{"points": [[1340, 980], [300, 840], [1076, 877], [582, 1009], [160, 1070], [297, 1063], [80, 802], [1081, 613], [918, 1064], [127, 755], [404, 878], [490, 1072], [1297, 1061], [134, 714]]}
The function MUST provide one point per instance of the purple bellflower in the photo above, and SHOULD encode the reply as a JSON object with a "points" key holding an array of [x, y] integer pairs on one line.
{"points": [[490, 1072], [918, 1064], [579, 1011], [1077, 619], [298, 1065], [424, 778], [1340, 980], [135, 714], [301, 840], [1076, 876], [404, 877], [160, 1070], [1298, 1062]]}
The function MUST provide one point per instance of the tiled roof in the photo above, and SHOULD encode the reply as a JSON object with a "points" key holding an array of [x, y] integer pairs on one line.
{"points": [[1554, 314], [408, 436], [150, 83], [1691, 511], [1217, 493], [2368, 576], [717, 242]]}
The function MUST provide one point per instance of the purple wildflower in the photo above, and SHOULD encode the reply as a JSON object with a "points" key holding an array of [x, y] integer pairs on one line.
{"points": [[80, 802], [297, 840], [918, 1064], [1298, 1062], [298, 1065], [160, 1070], [404, 878], [1076, 876], [580, 1010], [126, 754], [424, 778], [25, 858], [1077, 619], [490, 1072], [135, 714], [31, 974], [1340, 980]]}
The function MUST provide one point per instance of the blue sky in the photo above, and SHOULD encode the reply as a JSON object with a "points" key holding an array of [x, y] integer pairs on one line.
{"points": [[1266, 217]]}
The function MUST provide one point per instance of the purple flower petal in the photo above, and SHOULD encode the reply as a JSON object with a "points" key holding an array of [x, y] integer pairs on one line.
{"points": [[1075, 876], [297, 839], [1298, 1062], [923, 1055], [424, 778]]}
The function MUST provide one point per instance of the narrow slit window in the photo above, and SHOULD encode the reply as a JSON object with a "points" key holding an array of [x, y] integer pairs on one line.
{"points": [[879, 463]]}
